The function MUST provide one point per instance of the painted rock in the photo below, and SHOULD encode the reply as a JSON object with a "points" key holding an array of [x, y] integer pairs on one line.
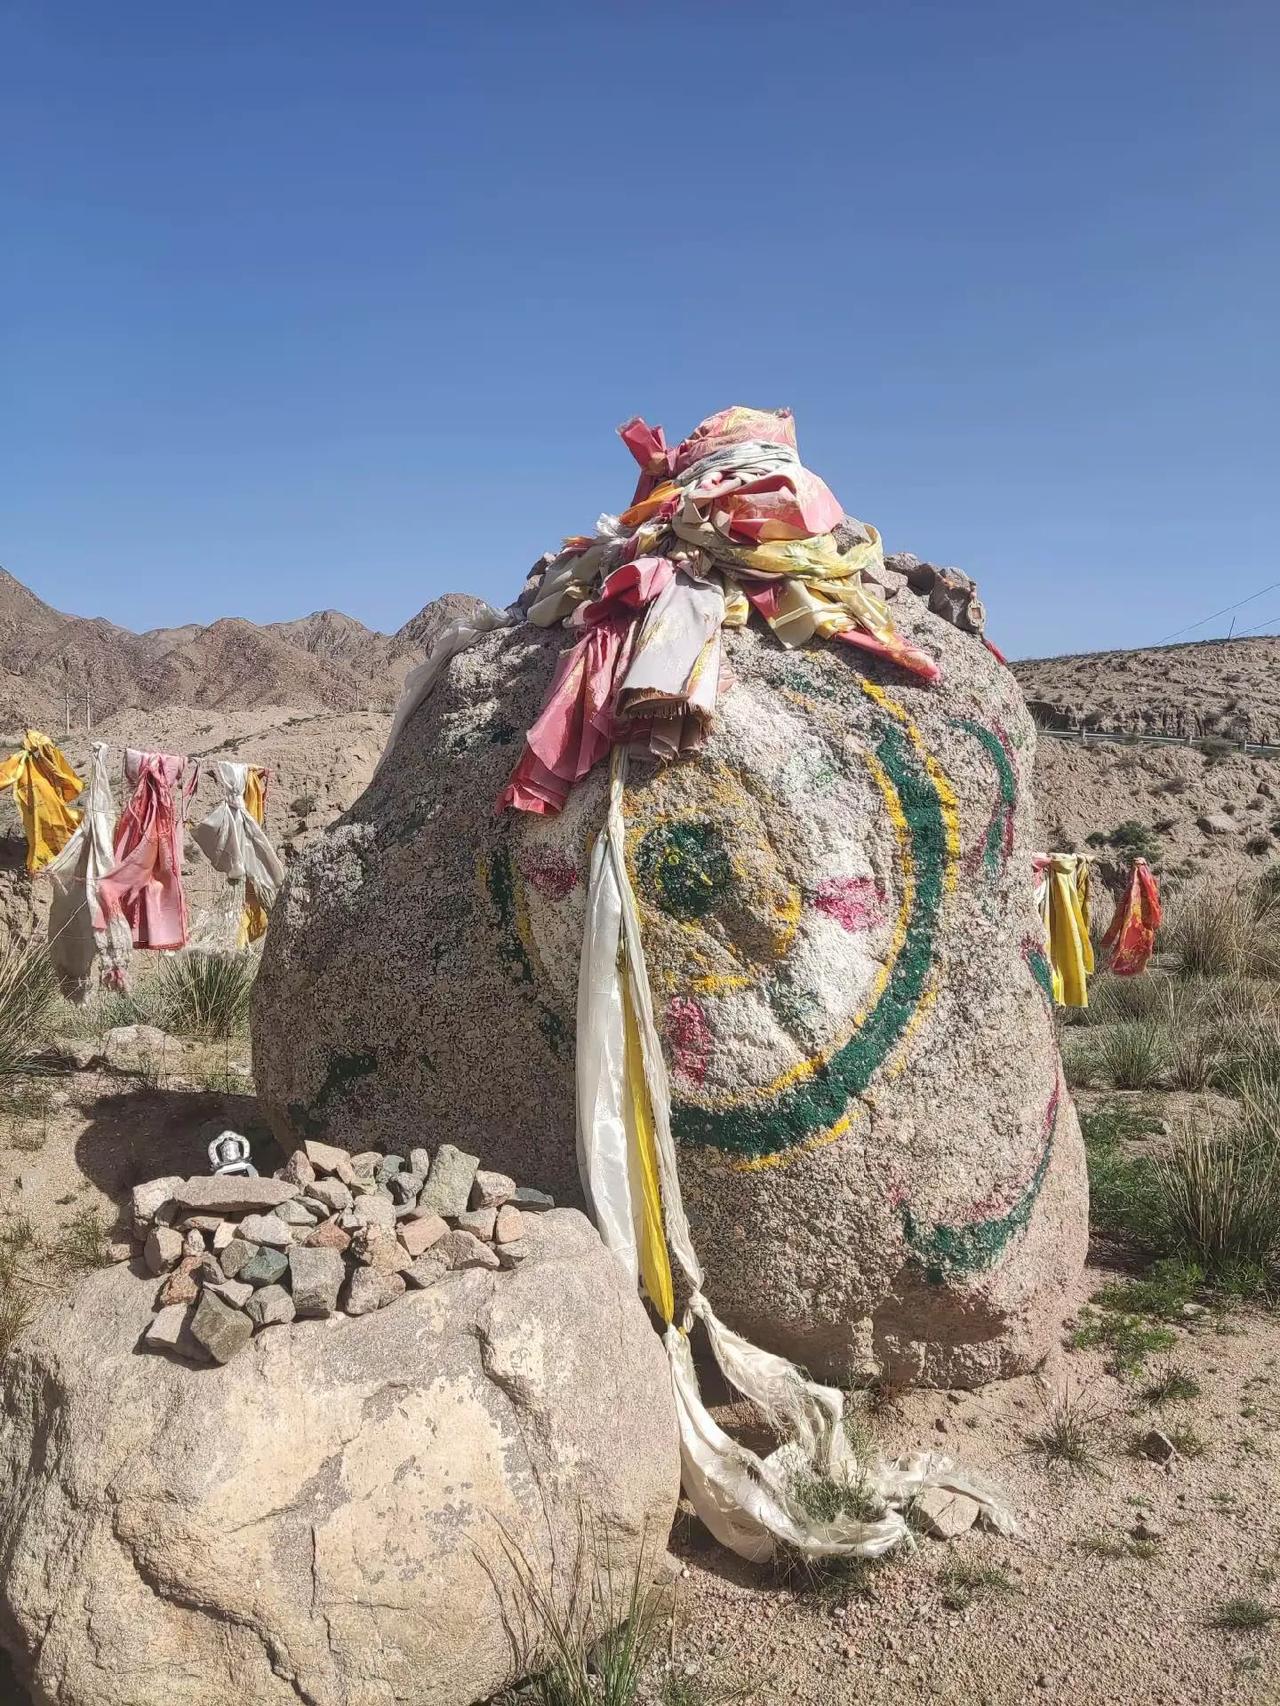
{"points": [[881, 1166]]}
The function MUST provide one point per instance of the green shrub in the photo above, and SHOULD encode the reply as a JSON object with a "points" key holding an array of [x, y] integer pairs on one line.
{"points": [[1125, 1198], [205, 995], [1222, 1196], [1133, 1055]]}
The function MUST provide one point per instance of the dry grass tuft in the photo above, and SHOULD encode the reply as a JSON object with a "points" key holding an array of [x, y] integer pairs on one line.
{"points": [[28, 1000], [1074, 1433]]}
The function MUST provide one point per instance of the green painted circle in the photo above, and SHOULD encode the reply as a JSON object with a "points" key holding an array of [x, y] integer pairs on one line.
{"points": [[685, 869]]}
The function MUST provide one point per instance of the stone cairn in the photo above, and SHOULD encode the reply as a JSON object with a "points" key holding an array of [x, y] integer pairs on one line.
{"points": [[331, 1233]]}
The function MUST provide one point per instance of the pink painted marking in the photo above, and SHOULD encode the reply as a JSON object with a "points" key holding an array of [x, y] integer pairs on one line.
{"points": [[551, 873], [856, 903], [690, 1037]]}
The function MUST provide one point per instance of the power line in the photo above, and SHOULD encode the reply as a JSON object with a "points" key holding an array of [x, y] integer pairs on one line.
{"points": [[1260, 627], [1192, 626]]}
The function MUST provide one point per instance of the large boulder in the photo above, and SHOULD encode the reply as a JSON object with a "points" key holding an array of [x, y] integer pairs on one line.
{"points": [[323, 1518], [881, 1166]]}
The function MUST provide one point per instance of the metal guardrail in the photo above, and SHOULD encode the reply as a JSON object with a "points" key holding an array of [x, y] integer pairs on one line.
{"points": [[1128, 737]]}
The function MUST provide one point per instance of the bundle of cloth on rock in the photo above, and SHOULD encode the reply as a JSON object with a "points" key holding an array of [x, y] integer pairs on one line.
{"points": [[43, 785], [727, 523], [1131, 935], [77, 932], [1062, 897]]}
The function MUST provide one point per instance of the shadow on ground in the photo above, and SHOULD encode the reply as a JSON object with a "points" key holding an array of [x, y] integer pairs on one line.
{"points": [[144, 1133]]}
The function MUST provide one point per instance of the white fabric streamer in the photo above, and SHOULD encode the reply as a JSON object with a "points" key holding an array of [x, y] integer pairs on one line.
{"points": [[233, 840], [76, 933], [457, 637], [751, 1504]]}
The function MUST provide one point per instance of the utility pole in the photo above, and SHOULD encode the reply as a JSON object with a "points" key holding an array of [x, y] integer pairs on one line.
{"points": [[88, 708], [67, 697]]}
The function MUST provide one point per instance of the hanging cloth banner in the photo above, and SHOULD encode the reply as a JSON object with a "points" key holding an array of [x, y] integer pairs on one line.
{"points": [[235, 843], [1062, 897], [43, 785], [726, 524], [143, 903], [254, 918], [630, 1175], [1131, 935], [75, 940]]}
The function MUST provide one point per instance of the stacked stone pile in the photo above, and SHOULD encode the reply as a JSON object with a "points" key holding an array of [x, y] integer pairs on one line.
{"points": [[331, 1233]]}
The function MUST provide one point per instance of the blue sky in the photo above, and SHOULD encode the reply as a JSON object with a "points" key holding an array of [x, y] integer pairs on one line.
{"points": [[310, 305]]}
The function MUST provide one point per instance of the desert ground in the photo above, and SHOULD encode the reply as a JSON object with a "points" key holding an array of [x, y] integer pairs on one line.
{"points": [[1128, 1578], [1142, 1460]]}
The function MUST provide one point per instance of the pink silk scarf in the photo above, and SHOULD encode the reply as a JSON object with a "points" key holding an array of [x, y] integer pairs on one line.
{"points": [[144, 886]]}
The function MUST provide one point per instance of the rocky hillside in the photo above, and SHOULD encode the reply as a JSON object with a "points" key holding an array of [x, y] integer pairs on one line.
{"points": [[1213, 688], [1205, 807], [323, 662]]}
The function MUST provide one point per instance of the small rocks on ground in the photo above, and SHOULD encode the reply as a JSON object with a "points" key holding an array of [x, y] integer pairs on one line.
{"points": [[448, 1187], [943, 1513], [163, 1249], [221, 1329], [1158, 1446]]}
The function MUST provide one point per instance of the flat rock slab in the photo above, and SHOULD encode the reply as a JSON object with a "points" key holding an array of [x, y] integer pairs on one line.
{"points": [[331, 1494], [224, 1194]]}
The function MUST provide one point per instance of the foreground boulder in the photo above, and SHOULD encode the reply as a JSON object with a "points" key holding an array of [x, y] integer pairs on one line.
{"points": [[881, 1167], [322, 1519]]}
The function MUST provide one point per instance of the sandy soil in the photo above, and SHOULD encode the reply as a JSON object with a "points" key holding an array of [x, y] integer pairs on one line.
{"points": [[1070, 1625]]}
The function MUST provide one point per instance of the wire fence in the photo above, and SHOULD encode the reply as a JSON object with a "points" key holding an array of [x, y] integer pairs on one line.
{"points": [[1132, 737]]}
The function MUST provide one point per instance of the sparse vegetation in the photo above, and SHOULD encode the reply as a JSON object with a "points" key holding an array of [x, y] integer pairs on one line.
{"points": [[1242, 1614], [1172, 1385], [81, 1244], [1073, 1433], [303, 806], [1133, 839], [597, 1640], [1125, 1199], [965, 1581], [205, 994], [1186, 1441], [827, 1500], [1221, 1192], [1128, 1339], [1132, 1055], [28, 999]]}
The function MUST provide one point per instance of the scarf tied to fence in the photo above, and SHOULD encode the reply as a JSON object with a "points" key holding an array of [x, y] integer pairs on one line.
{"points": [[43, 784], [76, 932], [142, 900], [233, 839], [727, 523]]}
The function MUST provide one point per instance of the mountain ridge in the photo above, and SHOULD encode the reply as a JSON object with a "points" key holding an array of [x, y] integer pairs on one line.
{"points": [[325, 661]]}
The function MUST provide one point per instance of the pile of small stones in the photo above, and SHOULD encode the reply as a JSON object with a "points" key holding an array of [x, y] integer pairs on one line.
{"points": [[331, 1233]]}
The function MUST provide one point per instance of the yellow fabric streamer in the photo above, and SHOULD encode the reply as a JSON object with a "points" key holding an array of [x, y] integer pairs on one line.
{"points": [[1064, 911], [254, 919], [43, 785], [651, 1241]]}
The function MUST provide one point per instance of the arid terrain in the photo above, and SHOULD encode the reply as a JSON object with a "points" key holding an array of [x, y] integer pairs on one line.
{"points": [[1130, 1578]]}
